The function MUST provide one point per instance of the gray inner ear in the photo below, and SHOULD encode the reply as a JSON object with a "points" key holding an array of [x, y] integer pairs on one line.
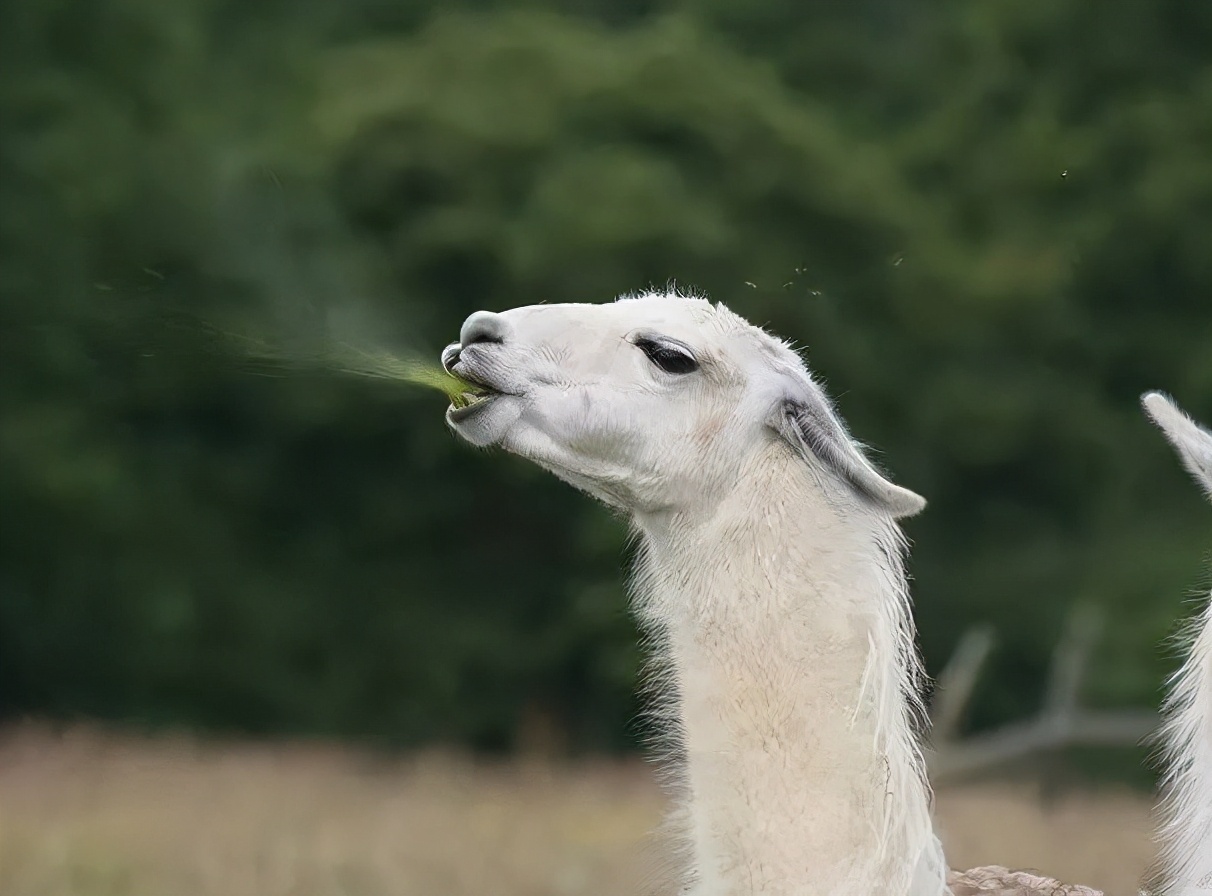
{"points": [[810, 425]]}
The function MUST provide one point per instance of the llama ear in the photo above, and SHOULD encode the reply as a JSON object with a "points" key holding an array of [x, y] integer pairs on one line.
{"points": [[1192, 441], [808, 423]]}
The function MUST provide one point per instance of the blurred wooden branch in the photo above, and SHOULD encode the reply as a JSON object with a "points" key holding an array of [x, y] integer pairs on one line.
{"points": [[1061, 722]]}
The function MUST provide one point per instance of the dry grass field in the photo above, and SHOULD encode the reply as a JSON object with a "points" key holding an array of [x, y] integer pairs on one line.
{"points": [[89, 814]]}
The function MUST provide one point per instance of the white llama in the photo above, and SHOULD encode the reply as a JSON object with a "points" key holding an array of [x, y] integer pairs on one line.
{"points": [[771, 581], [1186, 833]]}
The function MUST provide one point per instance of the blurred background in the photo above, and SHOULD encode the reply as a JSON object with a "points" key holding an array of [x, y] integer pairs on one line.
{"points": [[989, 224]]}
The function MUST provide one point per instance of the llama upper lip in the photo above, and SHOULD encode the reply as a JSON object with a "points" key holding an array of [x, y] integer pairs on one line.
{"points": [[462, 373]]}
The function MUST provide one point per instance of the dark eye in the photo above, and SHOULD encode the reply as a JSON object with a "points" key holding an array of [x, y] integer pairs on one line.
{"points": [[669, 358]]}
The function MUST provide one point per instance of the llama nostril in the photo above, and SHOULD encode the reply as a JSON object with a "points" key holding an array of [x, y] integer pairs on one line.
{"points": [[483, 326]]}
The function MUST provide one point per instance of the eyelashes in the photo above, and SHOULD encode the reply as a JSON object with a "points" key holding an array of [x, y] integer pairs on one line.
{"points": [[670, 358]]}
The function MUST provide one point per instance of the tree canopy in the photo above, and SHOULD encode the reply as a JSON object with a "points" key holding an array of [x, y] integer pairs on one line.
{"points": [[988, 225]]}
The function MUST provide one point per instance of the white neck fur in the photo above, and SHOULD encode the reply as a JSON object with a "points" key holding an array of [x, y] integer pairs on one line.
{"points": [[1187, 832], [785, 620]]}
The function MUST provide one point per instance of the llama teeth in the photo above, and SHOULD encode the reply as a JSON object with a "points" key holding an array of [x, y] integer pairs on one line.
{"points": [[469, 397]]}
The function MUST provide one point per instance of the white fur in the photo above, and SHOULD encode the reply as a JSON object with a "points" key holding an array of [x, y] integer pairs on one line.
{"points": [[771, 582], [1186, 833]]}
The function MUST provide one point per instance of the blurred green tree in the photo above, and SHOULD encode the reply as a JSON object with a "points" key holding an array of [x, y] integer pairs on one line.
{"points": [[988, 227]]}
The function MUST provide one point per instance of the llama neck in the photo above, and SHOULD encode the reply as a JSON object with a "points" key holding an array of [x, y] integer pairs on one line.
{"points": [[787, 627], [1187, 834]]}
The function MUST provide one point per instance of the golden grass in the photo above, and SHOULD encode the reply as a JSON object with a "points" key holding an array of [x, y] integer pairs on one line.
{"points": [[88, 814]]}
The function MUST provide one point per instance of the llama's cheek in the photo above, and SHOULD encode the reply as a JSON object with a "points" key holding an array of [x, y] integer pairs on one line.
{"points": [[600, 445], [708, 431]]}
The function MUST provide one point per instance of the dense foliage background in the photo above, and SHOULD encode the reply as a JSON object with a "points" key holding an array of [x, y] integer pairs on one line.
{"points": [[989, 223]]}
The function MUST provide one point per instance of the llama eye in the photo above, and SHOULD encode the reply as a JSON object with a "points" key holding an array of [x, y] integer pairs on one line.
{"points": [[668, 358]]}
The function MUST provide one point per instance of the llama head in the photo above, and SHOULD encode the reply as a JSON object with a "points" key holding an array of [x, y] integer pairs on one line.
{"points": [[653, 403], [1192, 441]]}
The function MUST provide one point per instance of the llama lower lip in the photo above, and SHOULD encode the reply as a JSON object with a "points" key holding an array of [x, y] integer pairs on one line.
{"points": [[478, 403]]}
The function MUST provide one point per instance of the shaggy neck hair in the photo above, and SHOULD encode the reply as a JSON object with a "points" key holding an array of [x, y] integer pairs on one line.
{"points": [[783, 619]]}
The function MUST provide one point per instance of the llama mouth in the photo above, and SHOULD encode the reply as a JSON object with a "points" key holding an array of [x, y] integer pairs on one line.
{"points": [[474, 397], [468, 403]]}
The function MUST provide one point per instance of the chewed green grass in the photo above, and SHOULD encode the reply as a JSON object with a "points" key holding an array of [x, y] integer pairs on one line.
{"points": [[343, 357], [384, 365]]}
